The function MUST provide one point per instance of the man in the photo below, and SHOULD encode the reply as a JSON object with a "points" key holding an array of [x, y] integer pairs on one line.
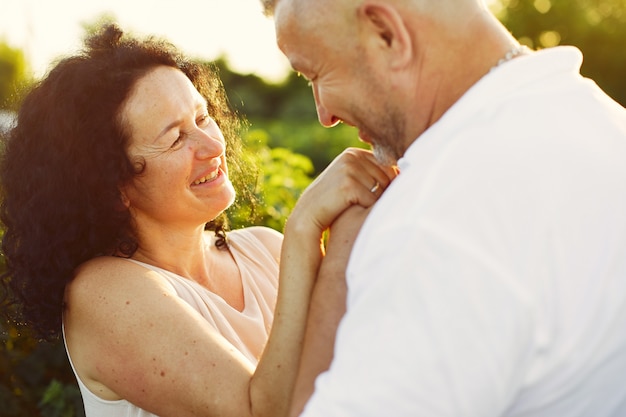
{"points": [[490, 278]]}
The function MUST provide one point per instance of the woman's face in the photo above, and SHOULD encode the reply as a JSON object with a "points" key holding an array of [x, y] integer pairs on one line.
{"points": [[185, 181]]}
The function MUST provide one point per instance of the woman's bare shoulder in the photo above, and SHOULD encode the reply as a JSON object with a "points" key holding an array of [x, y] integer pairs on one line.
{"points": [[269, 237], [130, 337], [110, 275], [109, 286]]}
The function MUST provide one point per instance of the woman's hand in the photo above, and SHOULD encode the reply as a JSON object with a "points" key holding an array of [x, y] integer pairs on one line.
{"points": [[353, 178]]}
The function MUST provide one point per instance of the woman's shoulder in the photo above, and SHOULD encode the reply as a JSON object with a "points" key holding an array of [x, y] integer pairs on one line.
{"points": [[112, 266], [269, 238], [111, 276]]}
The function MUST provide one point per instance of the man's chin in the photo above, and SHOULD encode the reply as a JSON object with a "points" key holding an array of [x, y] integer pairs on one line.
{"points": [[384, 156]]}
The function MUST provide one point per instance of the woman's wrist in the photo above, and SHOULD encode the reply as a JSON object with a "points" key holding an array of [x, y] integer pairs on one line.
{"points": [[303, 225]]}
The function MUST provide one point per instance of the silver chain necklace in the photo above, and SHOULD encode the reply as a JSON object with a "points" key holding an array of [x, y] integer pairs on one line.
{"points": [[512, 53]]}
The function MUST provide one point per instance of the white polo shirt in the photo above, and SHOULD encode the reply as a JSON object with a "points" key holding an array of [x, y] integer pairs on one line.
{"points": [[490, 279]]}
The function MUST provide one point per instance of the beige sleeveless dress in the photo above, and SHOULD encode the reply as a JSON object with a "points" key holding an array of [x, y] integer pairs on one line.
{"points": [[247, 330]]}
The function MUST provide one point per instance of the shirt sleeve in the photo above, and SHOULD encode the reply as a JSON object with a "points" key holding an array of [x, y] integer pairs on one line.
{"points": [[441, 331]]}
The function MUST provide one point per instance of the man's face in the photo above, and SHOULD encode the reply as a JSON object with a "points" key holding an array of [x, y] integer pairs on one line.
{"points": [[345, 85]]}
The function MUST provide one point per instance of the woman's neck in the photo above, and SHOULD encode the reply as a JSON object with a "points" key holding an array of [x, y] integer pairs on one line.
{"points": [[179, 250]]}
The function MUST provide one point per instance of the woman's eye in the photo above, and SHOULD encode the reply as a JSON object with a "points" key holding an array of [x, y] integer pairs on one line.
{"points": [[178, 140]]}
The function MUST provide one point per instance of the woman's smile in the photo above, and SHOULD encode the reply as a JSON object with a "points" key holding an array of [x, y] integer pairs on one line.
{"points": [[209, 178]]}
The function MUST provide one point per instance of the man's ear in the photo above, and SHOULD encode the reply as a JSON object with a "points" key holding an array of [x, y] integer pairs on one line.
{"points": [[385, 27]]}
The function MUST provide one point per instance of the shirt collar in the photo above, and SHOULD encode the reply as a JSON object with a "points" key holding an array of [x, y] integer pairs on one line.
{"points": [[495, 86]]}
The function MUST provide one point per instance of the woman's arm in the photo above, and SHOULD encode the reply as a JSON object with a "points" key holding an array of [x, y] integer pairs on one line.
{"points": [[345, 183], [328, 304], [132, 337], [161, 355]]}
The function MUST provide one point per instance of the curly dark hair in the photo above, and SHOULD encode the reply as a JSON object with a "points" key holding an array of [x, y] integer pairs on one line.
{"points": [[65, 159]]}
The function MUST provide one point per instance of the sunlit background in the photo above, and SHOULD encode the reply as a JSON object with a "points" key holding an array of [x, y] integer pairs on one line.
{"points": [[283, 137], [236, 29]]}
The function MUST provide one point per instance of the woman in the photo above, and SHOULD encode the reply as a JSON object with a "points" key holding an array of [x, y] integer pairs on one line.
{"points": [[116, 167]]}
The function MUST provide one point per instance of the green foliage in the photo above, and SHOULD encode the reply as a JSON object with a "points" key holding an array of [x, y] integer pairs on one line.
{"points": [[283, 176], [61, 400], [308, 137], [35, 377], [13, 75], [596, 27], [257, 99]]}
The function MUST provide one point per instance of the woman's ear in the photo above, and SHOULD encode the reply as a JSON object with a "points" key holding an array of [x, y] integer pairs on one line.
{"points": [[382, 23]]}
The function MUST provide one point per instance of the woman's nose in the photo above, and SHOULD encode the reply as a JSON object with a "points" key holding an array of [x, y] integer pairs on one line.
{"points": [[209, 144]]}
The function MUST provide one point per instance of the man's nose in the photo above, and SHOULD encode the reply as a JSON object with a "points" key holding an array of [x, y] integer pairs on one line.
{"points": [[326, 118]]}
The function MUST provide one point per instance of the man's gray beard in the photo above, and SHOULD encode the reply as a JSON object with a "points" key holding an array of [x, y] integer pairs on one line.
{"points": [[384, 155]]}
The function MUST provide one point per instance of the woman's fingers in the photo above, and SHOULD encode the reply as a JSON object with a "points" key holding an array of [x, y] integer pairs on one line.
{"points": [[373, 177], [353, 178]]}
